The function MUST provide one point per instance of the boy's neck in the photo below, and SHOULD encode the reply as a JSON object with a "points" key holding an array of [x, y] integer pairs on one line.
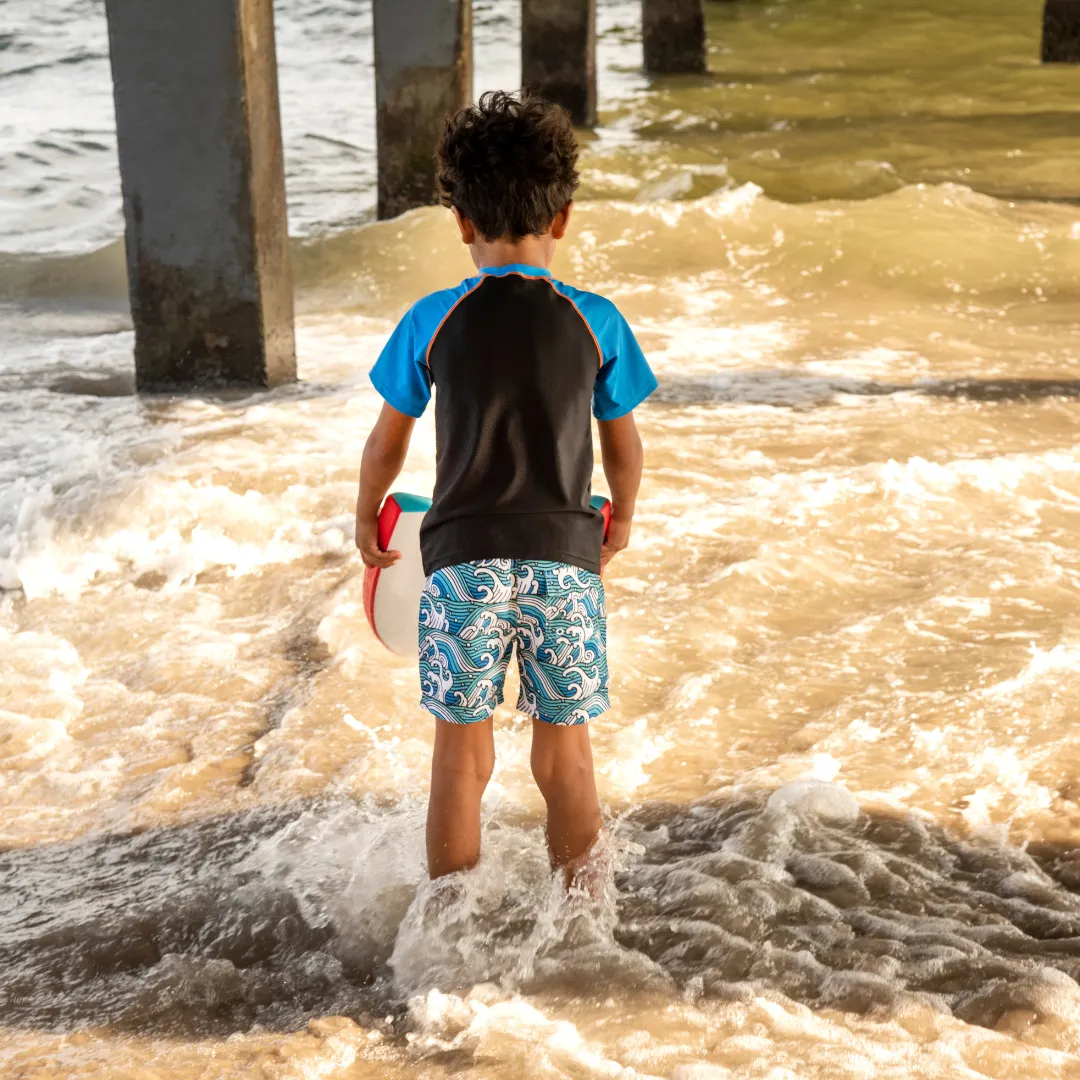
{"points": [[528, 251]]}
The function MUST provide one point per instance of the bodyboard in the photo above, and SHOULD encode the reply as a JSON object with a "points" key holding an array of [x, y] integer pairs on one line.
{"points": [[392, 596]]}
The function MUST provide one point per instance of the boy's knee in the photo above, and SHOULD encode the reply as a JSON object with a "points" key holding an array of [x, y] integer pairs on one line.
{"points": [[561, 767], [469, 757]]}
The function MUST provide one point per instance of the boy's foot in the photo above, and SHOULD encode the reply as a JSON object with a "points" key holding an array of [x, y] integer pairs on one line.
{"points": [[592, 873]]}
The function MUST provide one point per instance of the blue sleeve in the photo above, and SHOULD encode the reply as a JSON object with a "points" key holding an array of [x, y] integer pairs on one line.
{"points": [[401, 374], [625, 379]]}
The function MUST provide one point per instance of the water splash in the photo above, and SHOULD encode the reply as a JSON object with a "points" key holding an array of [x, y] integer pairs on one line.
{"points": [[276, 917]]}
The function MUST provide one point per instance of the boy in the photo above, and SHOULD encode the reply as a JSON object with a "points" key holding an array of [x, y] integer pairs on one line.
{"points": [[511, 546]]}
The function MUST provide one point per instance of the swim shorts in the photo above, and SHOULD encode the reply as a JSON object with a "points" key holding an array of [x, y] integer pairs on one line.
{"points": [[472, 616]]}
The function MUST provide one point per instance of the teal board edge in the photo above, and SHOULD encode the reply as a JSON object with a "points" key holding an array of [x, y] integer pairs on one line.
{"points": [[411, 504]]}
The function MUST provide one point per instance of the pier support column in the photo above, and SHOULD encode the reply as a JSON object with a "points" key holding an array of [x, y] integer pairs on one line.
{"points": [[558, 54], [1061, 32], [199, 137], [673, 33], [423, 72]]}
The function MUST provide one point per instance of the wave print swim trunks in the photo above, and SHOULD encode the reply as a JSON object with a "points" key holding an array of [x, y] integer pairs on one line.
{"points": [[474, 614]]}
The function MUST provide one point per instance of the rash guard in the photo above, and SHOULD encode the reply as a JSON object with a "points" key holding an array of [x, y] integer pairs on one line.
{"points": [[518, 360]]}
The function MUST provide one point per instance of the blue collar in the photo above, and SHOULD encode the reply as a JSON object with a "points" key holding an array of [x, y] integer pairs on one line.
{"points": [[515, 268]]}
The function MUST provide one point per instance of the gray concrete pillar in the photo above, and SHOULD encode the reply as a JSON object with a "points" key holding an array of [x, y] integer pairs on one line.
{"points": [[199, 136], [423, 72], [673, 33], [558, 54], [1061, 32]]}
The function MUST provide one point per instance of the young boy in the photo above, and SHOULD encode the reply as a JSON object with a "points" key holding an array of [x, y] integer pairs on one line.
{"points": [[511, 546]]}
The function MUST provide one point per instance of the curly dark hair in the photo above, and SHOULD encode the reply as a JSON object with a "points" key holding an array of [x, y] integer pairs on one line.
{"points": [[508, 163]]}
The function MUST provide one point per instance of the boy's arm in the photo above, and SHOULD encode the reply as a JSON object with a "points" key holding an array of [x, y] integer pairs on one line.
{"points": [[384, 456], [622, 455]]}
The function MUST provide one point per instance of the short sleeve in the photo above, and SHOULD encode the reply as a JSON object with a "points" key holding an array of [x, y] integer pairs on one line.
{"points": [[401, 374], [625, 379]]}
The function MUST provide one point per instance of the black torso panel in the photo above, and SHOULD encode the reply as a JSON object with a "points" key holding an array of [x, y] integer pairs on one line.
{"points": [[514, 365]]}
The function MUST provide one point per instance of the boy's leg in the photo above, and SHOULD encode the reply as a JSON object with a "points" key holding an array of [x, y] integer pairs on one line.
{"points": [[563, 768], [562, 656], [461, 766], [466, 638]]}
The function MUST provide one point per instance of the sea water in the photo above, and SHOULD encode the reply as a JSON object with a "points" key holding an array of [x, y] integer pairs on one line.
{"points": [[841, 767]]}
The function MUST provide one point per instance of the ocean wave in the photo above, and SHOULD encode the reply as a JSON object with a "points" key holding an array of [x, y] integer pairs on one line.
{"points": [[945, 240]]}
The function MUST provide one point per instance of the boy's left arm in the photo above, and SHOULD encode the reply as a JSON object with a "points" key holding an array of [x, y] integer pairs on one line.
{"points": [[384, 457], [621, 454], [623, 382]]}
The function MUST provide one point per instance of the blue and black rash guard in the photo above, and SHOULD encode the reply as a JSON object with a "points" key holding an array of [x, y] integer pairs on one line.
{"points": [[518, 360]]}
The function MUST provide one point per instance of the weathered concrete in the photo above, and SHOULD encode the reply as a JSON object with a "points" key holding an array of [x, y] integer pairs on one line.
{"points": [[673, 33], [558, 54], [423, 72], [1061, 32], [199, 135]]}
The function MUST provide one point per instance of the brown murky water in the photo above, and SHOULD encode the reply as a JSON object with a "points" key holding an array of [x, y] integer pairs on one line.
{"points": [[842, 763]]}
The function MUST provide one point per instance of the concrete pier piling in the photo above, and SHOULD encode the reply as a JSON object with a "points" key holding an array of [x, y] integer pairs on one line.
{"points": [[673, 34], [1061, 32], [558, 54], [423, 72], [199, 136]]}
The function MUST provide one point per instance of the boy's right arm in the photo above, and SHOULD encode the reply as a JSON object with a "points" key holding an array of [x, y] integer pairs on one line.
{"points": [[622, 456], [402, 379], [384, 456]]}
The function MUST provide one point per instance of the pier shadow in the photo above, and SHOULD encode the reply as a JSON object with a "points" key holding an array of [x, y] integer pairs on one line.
{"points": [[781, 387], [789, 388], [108, 384], [113, 382], [190, 931]]}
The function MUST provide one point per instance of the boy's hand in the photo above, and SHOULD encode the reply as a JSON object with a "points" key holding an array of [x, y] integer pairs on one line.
{"points": [[367, 540], [618, 538]]}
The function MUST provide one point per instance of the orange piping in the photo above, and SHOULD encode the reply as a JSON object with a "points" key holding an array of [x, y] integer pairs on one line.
{"points": [[528, 277], [570, 300]]}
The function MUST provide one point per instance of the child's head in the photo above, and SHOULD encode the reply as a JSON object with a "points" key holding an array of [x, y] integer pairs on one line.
{"points": [[508, 167]]}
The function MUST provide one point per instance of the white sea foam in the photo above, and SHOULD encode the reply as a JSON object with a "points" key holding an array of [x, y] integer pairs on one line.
{"points": [[42, 675], [514, 1032], [831, 803]]}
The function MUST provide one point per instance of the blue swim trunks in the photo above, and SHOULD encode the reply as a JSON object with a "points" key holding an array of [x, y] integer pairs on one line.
{"points": [[472, 615]]}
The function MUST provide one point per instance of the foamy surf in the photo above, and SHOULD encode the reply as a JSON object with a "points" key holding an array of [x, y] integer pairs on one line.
{"points": [[791, 920]]}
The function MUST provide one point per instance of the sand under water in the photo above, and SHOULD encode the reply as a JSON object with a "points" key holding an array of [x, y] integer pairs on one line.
{"points": [[841, 767]]}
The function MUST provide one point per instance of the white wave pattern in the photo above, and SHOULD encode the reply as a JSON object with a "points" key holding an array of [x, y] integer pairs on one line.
{"points": [[472, 616]]}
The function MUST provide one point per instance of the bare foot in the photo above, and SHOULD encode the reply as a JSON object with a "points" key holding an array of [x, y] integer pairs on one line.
{"points": [[589, 873]]}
